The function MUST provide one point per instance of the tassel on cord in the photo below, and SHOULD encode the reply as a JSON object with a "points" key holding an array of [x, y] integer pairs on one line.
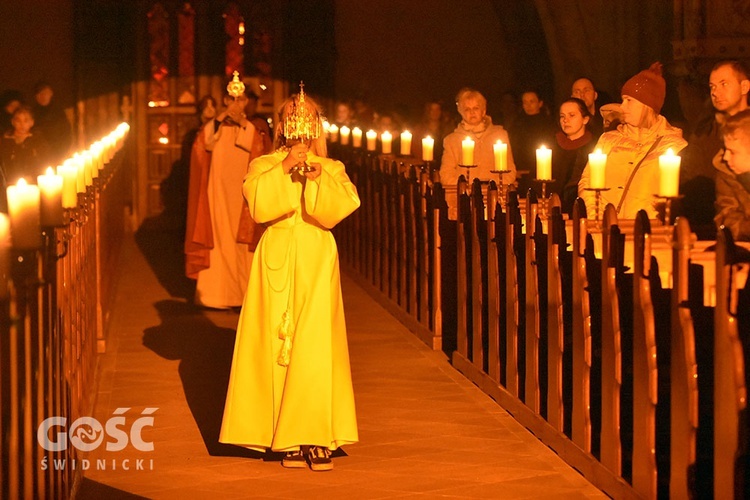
{"points": [[286, 333]]}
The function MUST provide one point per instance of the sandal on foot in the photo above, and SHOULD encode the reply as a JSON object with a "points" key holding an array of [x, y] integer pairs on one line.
{"points": [[294, 460], [320, 459]]}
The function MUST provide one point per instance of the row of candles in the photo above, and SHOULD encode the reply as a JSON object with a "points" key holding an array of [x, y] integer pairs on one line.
{"points": [[344, 135], [33, 206], [669, 163]]}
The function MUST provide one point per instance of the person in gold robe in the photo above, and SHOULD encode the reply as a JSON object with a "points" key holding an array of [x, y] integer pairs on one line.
{"points": [[290, 387]]}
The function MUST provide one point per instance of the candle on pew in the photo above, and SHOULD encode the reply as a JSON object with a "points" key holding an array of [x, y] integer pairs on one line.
{"points": [[501, 155], [385, 142], [669, 174], [344, 132], [69, 174], [23, 211], [88, 175], [334, 131], [405, 143], [372, 138], [597, 169], [467, 151], [357, 137], [544, 164], [428, 147], [4, 255], [80, 174], [327, 128], [50, 192]]}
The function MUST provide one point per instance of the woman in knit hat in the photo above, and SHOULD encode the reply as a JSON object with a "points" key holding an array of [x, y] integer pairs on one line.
{"points": [[633, 149]]}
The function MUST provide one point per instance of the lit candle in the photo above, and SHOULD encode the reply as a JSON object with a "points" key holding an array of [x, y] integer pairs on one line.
{"points": [[87, 164], [501, 155], [357, 137], [544, 163], [372, 140], [326, 128], [80, 173], [23, 211], [334, 131], [597, 169], [467, 151], [50, 191], [385, 142], [344, 132], [69, 174], [428, 146], [669, 174], [405, 143]]}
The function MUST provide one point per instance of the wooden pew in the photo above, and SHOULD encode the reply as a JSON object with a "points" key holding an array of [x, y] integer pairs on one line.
{"points": [[476, 249], [494, 212], [612, 267], [513, 237], [684, 369], [645, 370], [581, 425], [463, 229], [556, 246], [532, 309], [730, 382]]}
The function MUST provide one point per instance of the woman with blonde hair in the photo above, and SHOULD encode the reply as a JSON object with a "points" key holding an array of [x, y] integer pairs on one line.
{"points": [[634, 147], [290, 388]]}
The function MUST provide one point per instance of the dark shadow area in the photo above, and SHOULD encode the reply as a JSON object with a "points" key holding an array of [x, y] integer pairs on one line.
{"points": [[161, 238], [92, 489], [205, 354]]}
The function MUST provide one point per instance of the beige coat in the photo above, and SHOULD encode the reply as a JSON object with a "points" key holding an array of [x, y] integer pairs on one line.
{"points": [[625, 147]]}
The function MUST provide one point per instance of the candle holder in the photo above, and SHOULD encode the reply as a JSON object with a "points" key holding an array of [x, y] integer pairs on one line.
{"points": [[667, 216], [598, 196], [503, 185], [544, 203], [468, 170]]}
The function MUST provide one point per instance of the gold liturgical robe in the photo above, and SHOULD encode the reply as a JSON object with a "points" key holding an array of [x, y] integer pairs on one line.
{"points": [[295, 271]]}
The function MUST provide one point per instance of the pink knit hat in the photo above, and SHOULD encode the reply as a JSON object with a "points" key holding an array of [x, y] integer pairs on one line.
{"points": [[648, 87]]}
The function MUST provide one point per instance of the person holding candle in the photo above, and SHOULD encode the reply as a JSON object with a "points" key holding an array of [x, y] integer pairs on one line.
{"points": [[290, 387], [573, 143], [233, 142], [733, 180], [477, 127], [633, 149]]}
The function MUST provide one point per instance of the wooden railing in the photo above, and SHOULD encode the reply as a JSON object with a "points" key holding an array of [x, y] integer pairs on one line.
{"points": [[619, 344], [53, 321]]}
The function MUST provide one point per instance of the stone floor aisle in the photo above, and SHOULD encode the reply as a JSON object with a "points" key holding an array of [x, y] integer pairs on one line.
{"points": [[425, 431]]}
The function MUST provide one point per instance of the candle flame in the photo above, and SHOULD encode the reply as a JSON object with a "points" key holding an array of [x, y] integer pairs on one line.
{"points": [[542, 147], [669, 152], [49, 171], [21, 182], [499, 141]]}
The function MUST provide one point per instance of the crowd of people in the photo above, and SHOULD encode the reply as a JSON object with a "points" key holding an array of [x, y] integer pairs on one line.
{"points": [[260, 214], [33, 135], [630, 131]]}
